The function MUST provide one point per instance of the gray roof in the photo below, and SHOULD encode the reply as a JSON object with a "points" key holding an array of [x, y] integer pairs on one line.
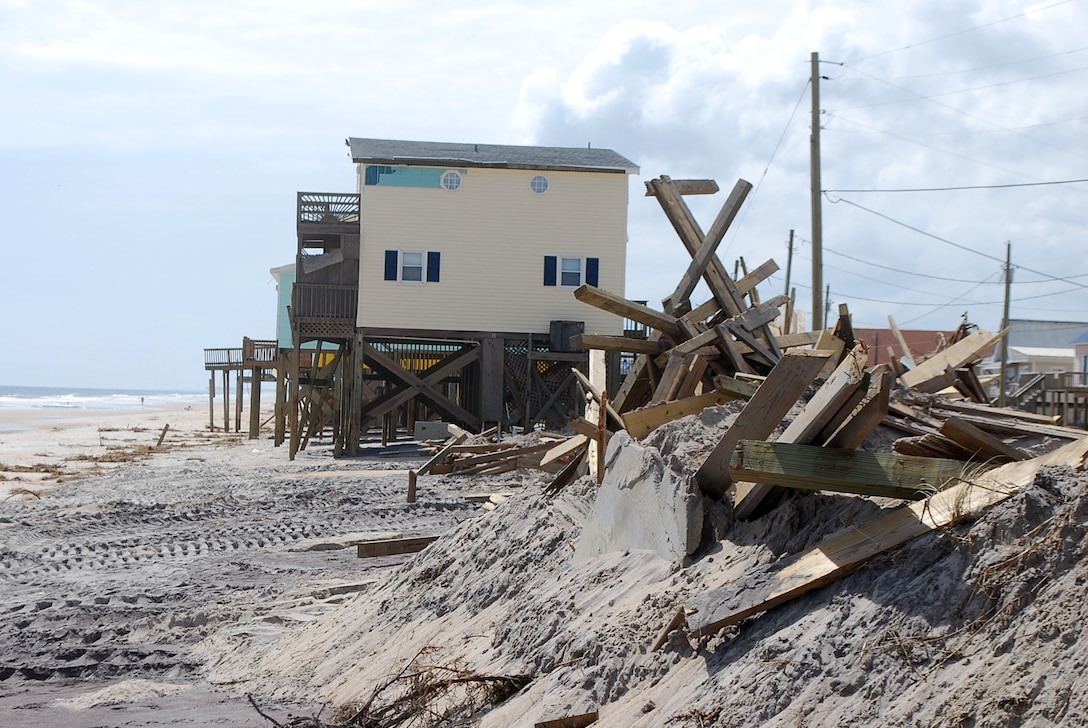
{"points": [[449, 154], [1027, 332]]}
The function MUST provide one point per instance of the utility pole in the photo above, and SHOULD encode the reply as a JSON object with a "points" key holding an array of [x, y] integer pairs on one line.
{"points": [[1005, 324], [817, 213], [789, 264]]}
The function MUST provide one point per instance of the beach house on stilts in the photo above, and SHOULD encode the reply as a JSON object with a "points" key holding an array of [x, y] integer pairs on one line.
{"points": [[442, 288]]}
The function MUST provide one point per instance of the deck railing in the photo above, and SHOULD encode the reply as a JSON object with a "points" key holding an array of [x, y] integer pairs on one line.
{"points": [[259, 352], [336, 208], [215, 359]]}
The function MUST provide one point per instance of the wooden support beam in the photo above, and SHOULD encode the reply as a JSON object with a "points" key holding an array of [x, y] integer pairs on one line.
{"points": [[929, 376], [789, 378], [691, 235], [641, 422], [701, 258], [689, 187], [604, 342], [620, 306], [429, 392], [796, 575], [808, 467]]}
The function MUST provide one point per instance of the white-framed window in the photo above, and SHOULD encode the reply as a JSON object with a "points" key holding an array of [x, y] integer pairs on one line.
{"points": [[570, 272], [539, 184], [451, 181], [411, 266]]}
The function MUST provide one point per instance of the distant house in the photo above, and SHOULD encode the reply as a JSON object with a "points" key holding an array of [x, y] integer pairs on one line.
{"points": [[445, 283], [484, 237]]}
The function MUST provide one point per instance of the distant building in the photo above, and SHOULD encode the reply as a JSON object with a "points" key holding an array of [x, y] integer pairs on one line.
{"points": [[486, 237]]}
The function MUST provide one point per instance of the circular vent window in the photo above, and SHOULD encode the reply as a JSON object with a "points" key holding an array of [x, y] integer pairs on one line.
{"points": [[539, 184], [451, 181]]}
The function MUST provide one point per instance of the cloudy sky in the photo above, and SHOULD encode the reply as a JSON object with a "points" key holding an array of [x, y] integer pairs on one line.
{"points": [[150, 152]]}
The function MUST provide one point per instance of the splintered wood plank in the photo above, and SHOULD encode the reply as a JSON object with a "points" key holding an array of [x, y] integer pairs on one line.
{"points": [[808, 467], [797, 575], [902, 343], [803, 338], [929, 376], [563, 449], [570, 721], [442, 453], [786, 382], [735, 388], [831, 397], [641, 422], [620, 306], [867, 415], [979, 442], [761, 314], [394, 546], [757, 276]]}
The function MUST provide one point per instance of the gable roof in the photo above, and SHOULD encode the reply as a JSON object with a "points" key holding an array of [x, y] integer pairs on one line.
{"points": [[450, 154]]}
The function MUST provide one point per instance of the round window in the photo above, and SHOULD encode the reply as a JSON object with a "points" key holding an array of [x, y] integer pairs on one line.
{"points": [[539, 184], [451, 181]]}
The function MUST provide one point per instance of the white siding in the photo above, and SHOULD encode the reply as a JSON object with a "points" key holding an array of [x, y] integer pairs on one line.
{"points": [[493, 234]]}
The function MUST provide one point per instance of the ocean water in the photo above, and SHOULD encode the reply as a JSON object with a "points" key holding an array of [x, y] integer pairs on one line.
{"points": [[75, 398]]}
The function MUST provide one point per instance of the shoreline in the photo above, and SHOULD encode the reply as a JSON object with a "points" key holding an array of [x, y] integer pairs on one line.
{"points": [[42, 447]]}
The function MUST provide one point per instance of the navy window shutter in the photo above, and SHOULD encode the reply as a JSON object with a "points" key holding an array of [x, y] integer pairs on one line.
{"points": [[592, 270], [391, 260], [551, 263], [434, 261]]}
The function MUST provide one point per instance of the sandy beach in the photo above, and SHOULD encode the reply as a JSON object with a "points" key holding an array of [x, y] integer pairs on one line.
{"points": [[119, 555]]}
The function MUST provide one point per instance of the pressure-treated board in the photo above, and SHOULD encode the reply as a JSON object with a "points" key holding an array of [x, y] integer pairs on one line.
{"points": [[841, 554], [831, 397], [395, 546], [808, 467]]}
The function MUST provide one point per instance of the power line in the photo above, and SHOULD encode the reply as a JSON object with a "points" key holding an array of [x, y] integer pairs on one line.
{"points": [[959, 111], [992, 66], [960, 32], [938, 149], [971, 187], [917, 96], [949, 242], [962, 133]]}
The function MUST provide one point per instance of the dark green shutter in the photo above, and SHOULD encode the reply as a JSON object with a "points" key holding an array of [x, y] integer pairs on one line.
{"points": [[391, 265], [434, 261], [551, 264]]}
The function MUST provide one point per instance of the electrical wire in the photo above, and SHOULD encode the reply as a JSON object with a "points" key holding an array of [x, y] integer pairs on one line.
{"points": [[960, 32], [949, 242], [971, 187]]}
